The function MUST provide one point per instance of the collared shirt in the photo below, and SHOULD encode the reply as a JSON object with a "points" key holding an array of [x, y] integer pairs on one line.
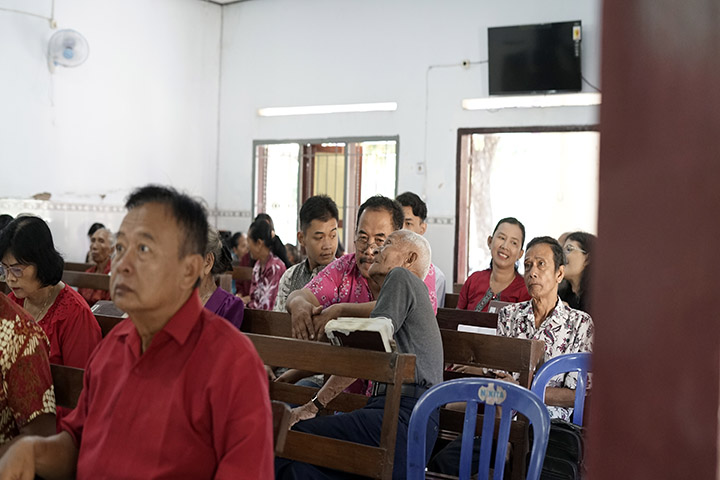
{"points": [[294, 278], [194, 405], [227, 305], [475, 287], [565, 330], [342, 282], [27, 386], [92, 296], [71, 328], [265, 280]]}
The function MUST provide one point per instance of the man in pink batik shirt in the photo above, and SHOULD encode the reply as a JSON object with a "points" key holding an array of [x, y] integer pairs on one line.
{"points": [[343, 288]]}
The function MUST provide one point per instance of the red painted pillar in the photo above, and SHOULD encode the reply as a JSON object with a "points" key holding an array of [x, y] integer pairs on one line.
{"points": [[654, 412]]}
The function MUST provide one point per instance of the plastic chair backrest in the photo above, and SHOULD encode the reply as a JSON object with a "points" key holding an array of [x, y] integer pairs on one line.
{"points": [[510, 398], [570, 362]]}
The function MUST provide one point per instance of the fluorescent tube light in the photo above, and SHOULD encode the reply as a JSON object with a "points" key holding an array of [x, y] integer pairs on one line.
{"points": [[322, 109], [533, 101]]}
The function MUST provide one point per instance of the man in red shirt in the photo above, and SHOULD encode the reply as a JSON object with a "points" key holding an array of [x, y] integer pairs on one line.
{"points": [[172, 392]]}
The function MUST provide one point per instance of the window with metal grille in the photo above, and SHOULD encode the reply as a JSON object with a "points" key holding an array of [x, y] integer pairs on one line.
{"points": [[286, 173]]}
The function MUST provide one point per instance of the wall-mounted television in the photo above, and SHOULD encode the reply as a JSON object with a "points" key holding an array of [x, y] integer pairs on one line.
{"points": [[541, 58]]}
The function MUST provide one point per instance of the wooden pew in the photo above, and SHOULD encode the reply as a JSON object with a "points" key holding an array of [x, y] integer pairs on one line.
{"points": [[242, 274], [77, 267], [463, 348], [281, 424], [4, 288], [68, 383], [107, 323], [95, 281], [225, 282], [450, 318], [263, 322], [514, 355], [451, 300], [390, 368], [107, 315]]}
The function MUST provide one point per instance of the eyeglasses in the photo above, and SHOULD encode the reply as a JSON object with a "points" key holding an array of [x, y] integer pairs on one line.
{"points": [[569, 248], [16, 270], [362, 243]]}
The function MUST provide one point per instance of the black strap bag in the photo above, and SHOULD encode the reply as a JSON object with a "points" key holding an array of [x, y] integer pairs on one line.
{"points": [[565, 453]]}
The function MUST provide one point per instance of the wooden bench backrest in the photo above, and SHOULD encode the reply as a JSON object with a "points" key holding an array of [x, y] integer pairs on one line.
{"points": [[95, 281], [451, 300], [390, 368], [107, 323], [264, 322], [281, 424], [450, 318], [68, 383], [4, 288], [516, 355], [242, 274], [77, 267]]}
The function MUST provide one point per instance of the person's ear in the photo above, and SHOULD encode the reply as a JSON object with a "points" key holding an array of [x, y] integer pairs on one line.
{"points": [[423, 228], [208, 263], [520, 255], [301, 238], [410, 260], [489, 241], [191, 271], [560, 274]]}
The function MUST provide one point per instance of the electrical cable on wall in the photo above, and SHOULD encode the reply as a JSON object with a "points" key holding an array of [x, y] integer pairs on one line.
{"points": [[50, 19], [463, 64]]}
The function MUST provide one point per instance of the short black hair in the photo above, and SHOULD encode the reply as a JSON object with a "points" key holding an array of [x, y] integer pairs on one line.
{"points": [[317, 207], [29, 240], [380, 202], [94, 228], [189, 214], [4, 220], [557, 250], [418, 207], [513, 221]]}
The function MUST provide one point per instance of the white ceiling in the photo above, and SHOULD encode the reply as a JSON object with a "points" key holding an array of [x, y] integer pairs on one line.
{"points": [[224, 2]]}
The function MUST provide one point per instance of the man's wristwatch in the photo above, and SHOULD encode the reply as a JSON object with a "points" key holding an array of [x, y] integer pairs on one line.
{"points": [[317, 403]]}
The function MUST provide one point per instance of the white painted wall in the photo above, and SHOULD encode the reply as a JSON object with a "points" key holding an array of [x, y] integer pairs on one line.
{"points": [[314, 52], [143, 108]]}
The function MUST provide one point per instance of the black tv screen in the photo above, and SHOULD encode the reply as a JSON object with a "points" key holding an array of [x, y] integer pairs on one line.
{"points": [[542, 58]]}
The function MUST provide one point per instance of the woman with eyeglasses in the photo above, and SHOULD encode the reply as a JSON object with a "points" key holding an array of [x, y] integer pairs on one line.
{"points": [[575, 288], [33, 270]]}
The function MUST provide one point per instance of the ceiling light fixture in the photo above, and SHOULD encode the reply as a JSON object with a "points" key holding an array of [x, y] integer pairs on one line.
{"points": [[533, 101], [323, 109]]}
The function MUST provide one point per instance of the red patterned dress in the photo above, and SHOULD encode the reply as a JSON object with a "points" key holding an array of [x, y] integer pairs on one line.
{"points": [[27, 388]]}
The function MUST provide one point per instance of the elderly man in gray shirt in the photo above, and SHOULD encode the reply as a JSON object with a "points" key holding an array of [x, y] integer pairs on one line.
{"points": [[399, 266]]}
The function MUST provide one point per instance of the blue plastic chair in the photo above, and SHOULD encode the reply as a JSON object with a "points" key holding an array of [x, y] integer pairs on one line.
{"points": [[493, 393], [571, 362]]}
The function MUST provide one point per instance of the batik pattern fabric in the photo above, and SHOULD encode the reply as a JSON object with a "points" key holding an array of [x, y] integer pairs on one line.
{"points": [[294, 278], [27, 387], [265, 281], [565, 330]]}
